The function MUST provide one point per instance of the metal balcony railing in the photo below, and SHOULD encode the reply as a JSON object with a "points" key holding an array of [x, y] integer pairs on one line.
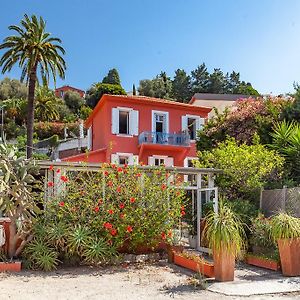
{"points": [[175, 139]]}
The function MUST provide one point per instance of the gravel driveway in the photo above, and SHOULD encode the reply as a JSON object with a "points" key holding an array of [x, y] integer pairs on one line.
{"points": [[150, 281]]}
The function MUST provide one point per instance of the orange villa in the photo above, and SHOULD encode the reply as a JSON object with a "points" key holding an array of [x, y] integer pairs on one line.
{"points": [[136, 129]]}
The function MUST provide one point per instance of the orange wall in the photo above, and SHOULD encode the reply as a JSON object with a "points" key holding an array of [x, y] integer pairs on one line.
{"points": [[103, 138]]}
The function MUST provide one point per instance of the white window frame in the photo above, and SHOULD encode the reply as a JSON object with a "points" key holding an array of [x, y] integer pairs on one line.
{"points": [[131, 130], [166, 113], [164, 157], [199, 123], [132, 159]]}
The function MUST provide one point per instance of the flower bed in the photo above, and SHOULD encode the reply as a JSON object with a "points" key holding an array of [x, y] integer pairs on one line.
{"points": [[262, 262], [195, 263]]}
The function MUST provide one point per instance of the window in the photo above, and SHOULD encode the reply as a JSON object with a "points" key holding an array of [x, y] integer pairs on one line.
{"points": [[123, 122], [61, 94], [191, 122], [159, 161], [123, 160]]}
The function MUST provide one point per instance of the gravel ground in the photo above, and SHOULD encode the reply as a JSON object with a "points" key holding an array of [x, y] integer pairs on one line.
{"points": [[150, 281]]}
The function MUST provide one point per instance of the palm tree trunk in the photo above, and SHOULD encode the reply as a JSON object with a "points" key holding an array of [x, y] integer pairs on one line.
{"points": [[30, 111]]}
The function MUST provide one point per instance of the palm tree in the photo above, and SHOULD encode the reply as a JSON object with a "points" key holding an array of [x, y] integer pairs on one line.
{"points": [[35, 51], [45, 105]]}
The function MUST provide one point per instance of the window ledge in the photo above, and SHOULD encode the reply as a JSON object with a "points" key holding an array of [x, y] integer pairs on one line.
{"points": [[125, 135]]}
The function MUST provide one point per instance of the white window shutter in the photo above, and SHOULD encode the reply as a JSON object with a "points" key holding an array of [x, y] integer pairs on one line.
{"points": [[134, 122], [184, 125], [199, 123], [167, 123], [115, 121], [115, 159], [89, 138], [169, 161], [133, 160], [151, 161]]}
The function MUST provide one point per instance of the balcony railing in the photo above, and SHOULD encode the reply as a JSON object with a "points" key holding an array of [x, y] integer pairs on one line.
{"points": [[175, 139]]}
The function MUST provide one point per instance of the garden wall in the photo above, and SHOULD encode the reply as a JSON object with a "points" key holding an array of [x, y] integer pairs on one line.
{"points": [[286, 199]]}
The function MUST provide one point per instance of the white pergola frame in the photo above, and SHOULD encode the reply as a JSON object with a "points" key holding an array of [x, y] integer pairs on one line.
{"points": [[199, 173]]}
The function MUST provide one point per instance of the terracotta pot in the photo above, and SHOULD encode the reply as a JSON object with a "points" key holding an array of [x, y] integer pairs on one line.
{"points": [[289, 250], [204, 268], [10, 266], [262, 262], [224, 265]]}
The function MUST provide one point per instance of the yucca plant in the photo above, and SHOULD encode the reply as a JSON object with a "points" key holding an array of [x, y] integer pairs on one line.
{"points": [[57, 233], [285, 226], [225, 231]]}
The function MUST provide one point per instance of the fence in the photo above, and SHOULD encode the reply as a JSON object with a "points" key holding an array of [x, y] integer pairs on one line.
{"points": [[286, 199]]}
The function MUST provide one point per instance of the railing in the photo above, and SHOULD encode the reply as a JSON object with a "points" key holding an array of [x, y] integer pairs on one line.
{"points": [[176, 139]]}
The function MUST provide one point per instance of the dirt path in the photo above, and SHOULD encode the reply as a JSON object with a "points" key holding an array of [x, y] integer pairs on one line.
{"points": [[134, 282]]}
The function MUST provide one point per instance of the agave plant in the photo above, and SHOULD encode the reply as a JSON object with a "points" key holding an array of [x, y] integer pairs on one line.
{"points": [[225, 231], [57, 233], [41, 255], [285, 226], [97, 251], [77, 239]]}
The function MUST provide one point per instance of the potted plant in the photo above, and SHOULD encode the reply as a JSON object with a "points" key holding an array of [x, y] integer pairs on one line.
{"points": [[286, 231], [269, 261], [7, 265], [225, 235], [194, 262]]}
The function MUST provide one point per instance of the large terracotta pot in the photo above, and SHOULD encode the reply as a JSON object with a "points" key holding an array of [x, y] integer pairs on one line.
{"points": [[289, 250], [224, 263], [171, 249], [10, 266]]}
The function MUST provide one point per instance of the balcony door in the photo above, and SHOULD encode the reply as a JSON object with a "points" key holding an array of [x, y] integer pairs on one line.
{"points": [[160, 126]]}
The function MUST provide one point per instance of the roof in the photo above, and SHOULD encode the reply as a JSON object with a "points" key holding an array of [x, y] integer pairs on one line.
{"points": [[222, 97], [149, 100], [70, 87]]}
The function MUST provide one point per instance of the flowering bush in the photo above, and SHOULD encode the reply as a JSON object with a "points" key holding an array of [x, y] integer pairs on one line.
{"points": [[113, 209], [248, 118]]}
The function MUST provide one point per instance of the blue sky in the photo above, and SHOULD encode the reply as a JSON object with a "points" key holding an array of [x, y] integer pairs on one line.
{"points": [[258, 38]]}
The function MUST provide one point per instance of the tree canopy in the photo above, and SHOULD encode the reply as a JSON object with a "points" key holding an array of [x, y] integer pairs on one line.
{"points": [[182, 87]]}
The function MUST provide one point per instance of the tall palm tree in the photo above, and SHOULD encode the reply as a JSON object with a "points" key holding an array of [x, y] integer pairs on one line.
{"points": [[36, 52]]}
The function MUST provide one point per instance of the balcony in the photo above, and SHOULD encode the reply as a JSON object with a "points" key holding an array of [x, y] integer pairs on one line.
{"points": [[159, 138]]}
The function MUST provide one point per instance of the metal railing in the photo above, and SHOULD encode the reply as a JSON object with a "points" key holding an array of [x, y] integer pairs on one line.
{"points": [[175, 139]]}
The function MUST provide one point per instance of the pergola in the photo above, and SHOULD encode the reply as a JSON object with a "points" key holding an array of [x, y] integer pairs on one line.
{"points": [[197, 182]]}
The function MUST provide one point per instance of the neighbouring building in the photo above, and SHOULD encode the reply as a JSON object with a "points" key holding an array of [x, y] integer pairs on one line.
{"points": [[136, 129], [219, 101], [60, 92]]}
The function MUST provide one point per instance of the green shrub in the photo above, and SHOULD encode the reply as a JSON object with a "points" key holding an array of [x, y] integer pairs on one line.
{"points": [[245, 168], [261, 234]]}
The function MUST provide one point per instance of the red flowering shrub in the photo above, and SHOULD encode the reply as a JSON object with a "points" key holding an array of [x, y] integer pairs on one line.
{"points": [[122, 206]]}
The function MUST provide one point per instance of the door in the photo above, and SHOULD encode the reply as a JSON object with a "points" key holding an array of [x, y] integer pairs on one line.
{"points": [[160, 127]]}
